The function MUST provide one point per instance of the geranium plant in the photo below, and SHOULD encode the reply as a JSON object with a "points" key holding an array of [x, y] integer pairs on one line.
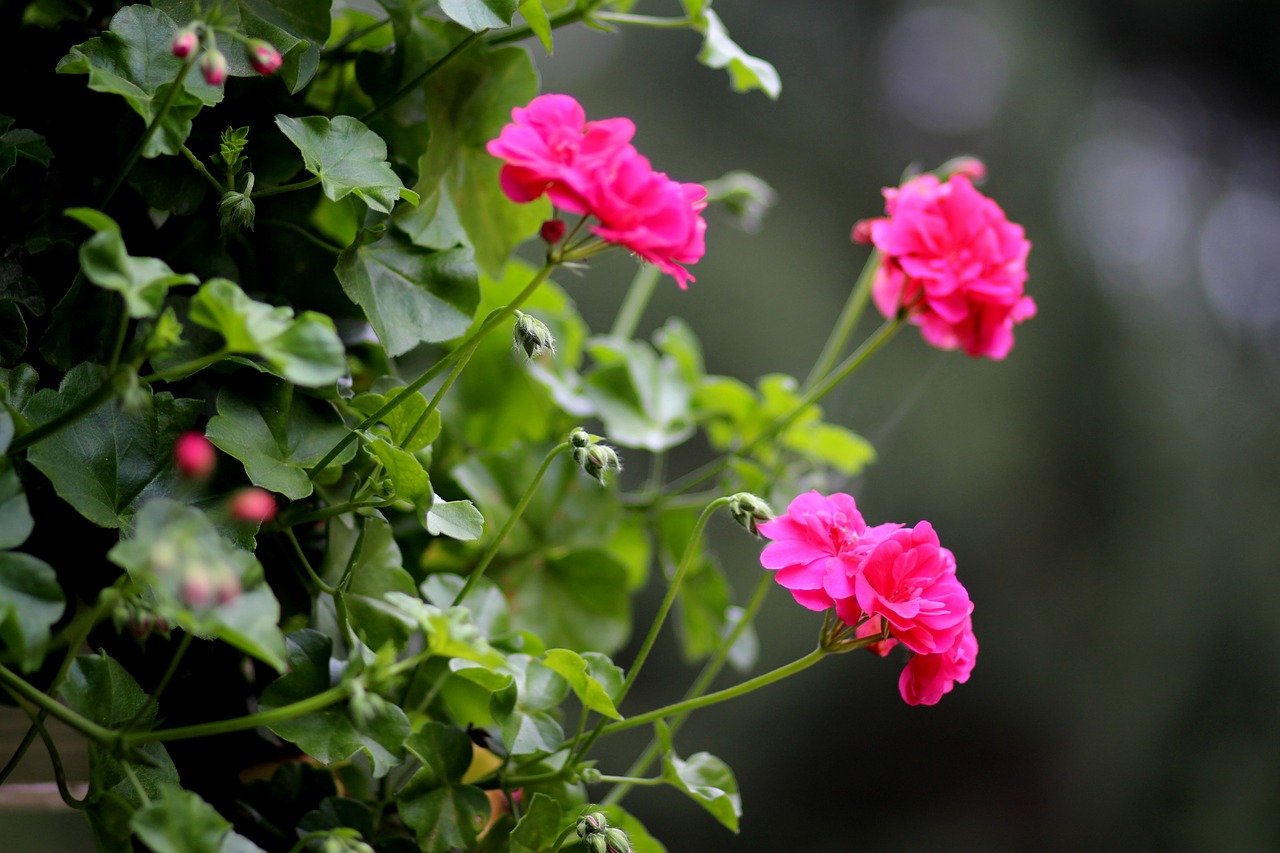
{"points": [[311, 513]]}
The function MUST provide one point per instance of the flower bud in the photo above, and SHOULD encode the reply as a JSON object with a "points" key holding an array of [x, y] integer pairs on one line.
{"points": [[226, 587], [185, 42], [579, 437], [194, 456], [552, 231], [749, 511], [532, 336], [236, 209], [252, 505], [596, 844], [616, 841], [197, 588], [263, 56], [591, 824], [213, 65], [597, 460], [971, 167], [862, 231]]}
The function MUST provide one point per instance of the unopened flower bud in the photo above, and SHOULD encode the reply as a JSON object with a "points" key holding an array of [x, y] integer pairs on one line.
{"points": [[616, 841], [236, 209], [532, 336], [263, 56], [226, 587], [213, 65], [194, 456], [197, 588], [185, 42], [579, 437], [591, 824], [749, 511], [596, 844], [252, 505], [597, 460], [862, 231], [552, 231], [971, 167]]}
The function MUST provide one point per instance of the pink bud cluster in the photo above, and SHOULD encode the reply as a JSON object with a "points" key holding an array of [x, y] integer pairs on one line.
{"points": [[262, 55], [876, 577], [952, 261], [591, 168]]}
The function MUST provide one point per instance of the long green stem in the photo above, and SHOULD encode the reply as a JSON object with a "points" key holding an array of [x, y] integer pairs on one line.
{"points": [[329, 512], [495, 317], [431, 69], [316, 580], [519, 509], [855, 360], [200, 167], [644, 21], [301, 232], [636, 300], [705, 679], [187, 367], [170, 96], [170, 670], [288, 188], [719, 696], [80, 723], [847, 321], [59, 773], [318, 702], [56, 424], [117, 349]]}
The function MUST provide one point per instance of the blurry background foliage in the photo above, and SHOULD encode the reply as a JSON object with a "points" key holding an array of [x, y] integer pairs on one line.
{"points": [[1111, 491]]}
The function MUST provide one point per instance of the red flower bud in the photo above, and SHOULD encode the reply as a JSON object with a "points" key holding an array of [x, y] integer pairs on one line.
{"points": [[213, 65], [264, 58], [194, 456], [185, 42], [253, 505], [552, 230], [861, 231]]}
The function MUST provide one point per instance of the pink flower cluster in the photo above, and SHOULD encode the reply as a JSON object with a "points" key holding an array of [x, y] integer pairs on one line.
{"points": [[953, 261], [887, 575], [591, 168]]}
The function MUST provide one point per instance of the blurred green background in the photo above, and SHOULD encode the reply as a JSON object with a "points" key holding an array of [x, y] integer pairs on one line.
{"points": [[1111, 491]]}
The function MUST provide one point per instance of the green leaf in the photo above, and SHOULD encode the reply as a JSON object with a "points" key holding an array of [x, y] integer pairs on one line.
{"points": [[108, 462], [134, 59], [478, 15], [485, 602], [172, 543], [408, 479], [305, 349], [143, 282], [535, 15], [644, 401], [17, 142], [449, 632], [378, 569], [181, 822], [30, 602], [410, 294], [444, 813], [337, 732], [538, 827], [523, 710], [277, 433], [705, 778], [467, 104], [575, 669], [397, 424], [578, 600], [348, 158], [16, 522], [746, 72], [101, 689], [456, 519]]}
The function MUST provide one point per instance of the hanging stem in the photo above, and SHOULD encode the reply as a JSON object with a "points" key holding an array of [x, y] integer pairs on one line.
{"points": [[82, 724], [318, 702], [848, 320], [306, 564], [170, 96], [492, 550], [495, 317], [460, 47], [288, 188], [183, 645], [636, 300]]}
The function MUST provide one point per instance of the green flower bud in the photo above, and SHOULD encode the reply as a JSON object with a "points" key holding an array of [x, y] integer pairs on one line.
{"points": [[579, 437], [749, 511], [597, 844], [616, 841], [591, 824], [747, 197], [236, 210], [532, 336], [597, 460]]}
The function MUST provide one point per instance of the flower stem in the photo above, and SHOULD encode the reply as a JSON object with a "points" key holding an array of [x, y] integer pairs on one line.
{"points": [[170, 96], [82, 724], [187, 367], [644, 21], [742, 689], [306, 564], [492, 550], [847, 321], [459, 48], [170, 670], [636, 300], [495, 317], [311, 704], [288, 188], [301, 232], [200, 167]]}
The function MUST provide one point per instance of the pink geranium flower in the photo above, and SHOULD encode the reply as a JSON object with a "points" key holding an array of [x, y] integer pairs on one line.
{"points": [[910, 581], [927, 678], [818, 548], [953, 262], [590, 168]]}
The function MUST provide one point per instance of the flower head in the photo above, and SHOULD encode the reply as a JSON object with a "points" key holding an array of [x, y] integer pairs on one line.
{"points": [[927, 678], [213, 65], [952, 262], [263, 56], [818, 548], [194, 456], [185, 42], [591, 168]]}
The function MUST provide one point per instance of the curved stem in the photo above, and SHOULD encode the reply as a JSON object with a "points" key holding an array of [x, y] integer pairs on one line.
{"points": [[59, 773], [495, 317], [644, 21], [318, 702], [855, 360], [288, 188], [519, 509], [316, 580], [82, 724], [421, 78], [849, 316], [187, 367], [170, 670], [200, 167], [19, 753], [636, 300], [719, 696], [170, 96], [301, 232]]}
